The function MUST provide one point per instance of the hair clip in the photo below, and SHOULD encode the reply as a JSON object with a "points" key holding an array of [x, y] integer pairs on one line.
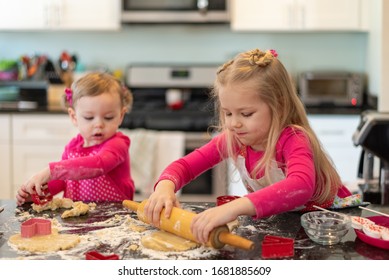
{"points": [[68, 93], [273, 52]]}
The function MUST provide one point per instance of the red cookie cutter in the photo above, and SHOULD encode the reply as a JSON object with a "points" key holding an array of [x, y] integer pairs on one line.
{"points": [[34, 227], [42, 199], [277, 247], [94, 255], [220, 200]]}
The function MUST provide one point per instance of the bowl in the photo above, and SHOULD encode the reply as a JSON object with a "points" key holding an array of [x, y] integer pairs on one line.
{"points": [[325, 228]]}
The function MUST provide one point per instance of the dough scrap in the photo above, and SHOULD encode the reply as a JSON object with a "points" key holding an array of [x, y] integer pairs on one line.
{"points": [[165, 241], [54, 204], [79, 208], [45, 243]]}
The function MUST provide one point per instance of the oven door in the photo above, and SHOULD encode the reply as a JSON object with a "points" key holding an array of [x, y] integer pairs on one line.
{"points": [[175, 11]]}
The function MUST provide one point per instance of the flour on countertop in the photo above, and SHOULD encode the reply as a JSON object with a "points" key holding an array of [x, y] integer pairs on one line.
{"points": [[117, 236]]}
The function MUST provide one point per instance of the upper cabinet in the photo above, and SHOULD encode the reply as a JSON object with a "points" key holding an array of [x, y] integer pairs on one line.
{"points": [[59, 15], [298, 15]]}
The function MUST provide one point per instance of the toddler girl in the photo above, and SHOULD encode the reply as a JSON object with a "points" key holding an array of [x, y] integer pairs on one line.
{"points": [[95, 164]]}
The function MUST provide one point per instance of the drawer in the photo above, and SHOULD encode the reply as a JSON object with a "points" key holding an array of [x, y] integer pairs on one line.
{"points": [[42, 128], [334, 129]]}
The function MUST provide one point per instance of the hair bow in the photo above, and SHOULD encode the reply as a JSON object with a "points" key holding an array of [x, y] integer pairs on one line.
{"points": [[68, 93]]}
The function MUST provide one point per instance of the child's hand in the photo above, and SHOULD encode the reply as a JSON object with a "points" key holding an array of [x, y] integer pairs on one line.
{"points": [[22, 196], [162, 197], [36, 182], [204, 222]]}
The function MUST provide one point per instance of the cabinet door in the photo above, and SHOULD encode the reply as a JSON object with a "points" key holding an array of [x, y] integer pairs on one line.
{"points": [[37, 140], [59, 14], [262, 14], [23, 14], [29, 159], [335, 133], [89, 14], [5, 158], [330, 14], [297, 15]]}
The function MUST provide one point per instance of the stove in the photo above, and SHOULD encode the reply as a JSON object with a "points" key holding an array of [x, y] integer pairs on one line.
{"points": [[174, 98]]}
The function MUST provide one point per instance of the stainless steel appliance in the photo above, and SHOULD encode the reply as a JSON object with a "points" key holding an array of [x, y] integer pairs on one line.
{"points": [[175, 11], [332, 88], [373, 135], [176, 98], [23, 95]]}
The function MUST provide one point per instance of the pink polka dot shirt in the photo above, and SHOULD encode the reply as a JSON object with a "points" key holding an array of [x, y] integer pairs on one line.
{"points": [[97, 173]]}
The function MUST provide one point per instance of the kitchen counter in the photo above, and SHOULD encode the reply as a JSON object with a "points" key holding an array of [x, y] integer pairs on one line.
{"points": [[108, 230]]}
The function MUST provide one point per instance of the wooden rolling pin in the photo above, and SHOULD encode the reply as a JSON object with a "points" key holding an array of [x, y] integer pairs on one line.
{"points": [[179, 224]]}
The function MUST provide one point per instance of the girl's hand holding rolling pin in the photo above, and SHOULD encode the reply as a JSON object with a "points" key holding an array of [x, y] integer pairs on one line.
{"points": [[162, 197], [204, 222]]}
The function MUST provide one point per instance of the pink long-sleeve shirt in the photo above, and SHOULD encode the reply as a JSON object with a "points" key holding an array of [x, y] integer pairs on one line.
{"points": [[293, 155], [97, 173]]}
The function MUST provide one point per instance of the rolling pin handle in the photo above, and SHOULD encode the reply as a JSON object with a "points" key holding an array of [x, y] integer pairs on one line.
{"points": [[235, 240]]}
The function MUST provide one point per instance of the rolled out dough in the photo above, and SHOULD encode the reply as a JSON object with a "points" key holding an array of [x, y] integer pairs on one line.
{"points": [[165, 241], [45, 243]]}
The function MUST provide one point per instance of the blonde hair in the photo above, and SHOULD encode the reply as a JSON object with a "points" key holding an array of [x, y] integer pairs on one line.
{"points": [[94, 84], [262, 71]]}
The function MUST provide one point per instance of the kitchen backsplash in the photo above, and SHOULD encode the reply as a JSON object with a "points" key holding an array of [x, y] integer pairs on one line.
{"points": [[190, 44]]}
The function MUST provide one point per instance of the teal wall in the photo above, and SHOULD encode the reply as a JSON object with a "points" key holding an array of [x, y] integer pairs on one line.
{"points": [[190, 44]]}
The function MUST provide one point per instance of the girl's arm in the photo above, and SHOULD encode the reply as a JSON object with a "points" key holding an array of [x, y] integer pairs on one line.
{"points": [[186, 169], [113, 153], [298, 187]]}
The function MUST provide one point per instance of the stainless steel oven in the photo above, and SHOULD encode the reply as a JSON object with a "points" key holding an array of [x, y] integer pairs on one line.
{"points": [[175, 98], [175, 11]]}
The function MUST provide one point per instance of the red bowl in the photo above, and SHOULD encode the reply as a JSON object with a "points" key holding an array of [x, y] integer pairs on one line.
{"points": [[380, 243], [220, 200]]}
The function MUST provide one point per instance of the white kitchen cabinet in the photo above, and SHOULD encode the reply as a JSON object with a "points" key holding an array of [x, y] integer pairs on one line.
{"points": [[5, 158], [37, 139], [297, 15], [59, 15], [335, 133]]}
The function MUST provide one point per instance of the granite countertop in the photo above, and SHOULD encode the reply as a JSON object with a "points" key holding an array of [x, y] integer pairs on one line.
{"points": [[113, 219]]}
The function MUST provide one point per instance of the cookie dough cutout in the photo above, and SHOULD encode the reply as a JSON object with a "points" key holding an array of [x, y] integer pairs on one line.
{"points": [[79, 208], [164, 241], [45, 243]]}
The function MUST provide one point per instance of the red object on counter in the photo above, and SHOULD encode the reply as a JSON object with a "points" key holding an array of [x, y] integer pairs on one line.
{"points": [[277, 247], [42, 199], [220, 200], [34, 227], [94, 255]]}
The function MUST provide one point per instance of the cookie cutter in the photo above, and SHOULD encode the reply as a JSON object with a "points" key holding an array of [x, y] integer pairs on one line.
{"points": [[277, 247], [220, 200], [95, 255], [42, 199], [34, 227]]}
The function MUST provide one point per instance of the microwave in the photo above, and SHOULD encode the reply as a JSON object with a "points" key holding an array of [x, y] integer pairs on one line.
{"points": [[331, 88], [175, 11]]}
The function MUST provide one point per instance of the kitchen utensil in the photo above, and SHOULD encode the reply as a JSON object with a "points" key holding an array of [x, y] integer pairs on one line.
{"points": [[325, 227], [42, 199], [94, 255], [1, 209], [179, 224], [374, 211], [34, 227], [376, 242], [277, 247]]}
